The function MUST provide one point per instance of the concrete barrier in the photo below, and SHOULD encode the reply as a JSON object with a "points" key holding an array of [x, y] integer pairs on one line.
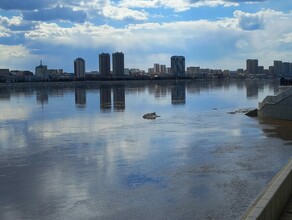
{"points": [[270, 204]]}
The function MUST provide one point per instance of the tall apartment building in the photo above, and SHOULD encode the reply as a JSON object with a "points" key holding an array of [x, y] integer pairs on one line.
{"points": [[178, 65], [104, 64], [79, 68], [252, 66], [118, 64]]}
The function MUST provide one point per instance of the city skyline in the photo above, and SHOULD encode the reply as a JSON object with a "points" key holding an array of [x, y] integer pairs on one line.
{"points": [[213, 33]]}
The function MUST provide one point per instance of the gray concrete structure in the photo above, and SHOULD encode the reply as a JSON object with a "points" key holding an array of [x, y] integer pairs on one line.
{"points": [[278, 107], [271, 203]]}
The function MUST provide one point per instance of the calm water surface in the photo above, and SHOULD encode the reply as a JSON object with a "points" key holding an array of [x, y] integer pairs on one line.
{"points": [[85, 152]]}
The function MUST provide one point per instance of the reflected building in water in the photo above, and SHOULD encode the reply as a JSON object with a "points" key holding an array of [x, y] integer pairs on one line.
{"points": [[159, 90], [42, 96], [105, 98], [119, 97], [178, 94], [80, 97], [4, 94], [252, 90]]}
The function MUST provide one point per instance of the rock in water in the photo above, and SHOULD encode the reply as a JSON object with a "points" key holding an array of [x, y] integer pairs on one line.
{"points": [[151, 115], [252, 113]]}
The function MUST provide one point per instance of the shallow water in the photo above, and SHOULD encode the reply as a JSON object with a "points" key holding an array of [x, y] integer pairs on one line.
{"points": [[84, 151]]}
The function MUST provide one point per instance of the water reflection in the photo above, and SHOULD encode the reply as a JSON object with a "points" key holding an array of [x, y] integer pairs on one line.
{"points": [[105, 98], [80, 97], [252, 90], [277, 128], [42, 95], [159, 90], [178, 93], [119, 97], [4, 94]]}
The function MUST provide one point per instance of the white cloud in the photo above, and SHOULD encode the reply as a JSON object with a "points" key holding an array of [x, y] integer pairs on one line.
{"points": [[199, 40], [177, 5], [14, 51], [248, 21], [123, 13], [109, 10], [287, 38], [15, 56], [202, 36]]}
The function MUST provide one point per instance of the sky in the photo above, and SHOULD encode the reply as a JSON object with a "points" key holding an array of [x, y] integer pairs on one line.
{"points": [[209, 33]]}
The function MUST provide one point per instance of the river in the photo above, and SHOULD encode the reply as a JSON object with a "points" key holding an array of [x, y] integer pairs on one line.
{"points": [[84, 151]]}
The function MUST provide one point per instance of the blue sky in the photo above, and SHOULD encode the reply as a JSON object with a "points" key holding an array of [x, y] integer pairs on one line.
{"points": [[209, 33]]}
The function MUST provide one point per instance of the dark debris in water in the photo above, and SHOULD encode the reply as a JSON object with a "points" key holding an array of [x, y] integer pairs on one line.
{"points": [[247, 111]]}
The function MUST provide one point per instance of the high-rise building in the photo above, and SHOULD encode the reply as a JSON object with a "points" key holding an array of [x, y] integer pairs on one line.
{"points": [[252, 66], [178, 65], [278, 65], [118, 64], [79, 68], [104, 64]]}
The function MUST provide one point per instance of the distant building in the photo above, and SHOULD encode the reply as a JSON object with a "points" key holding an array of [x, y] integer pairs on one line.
{"points": [[193, 70], [150, 71], [79, 68], [156, 68], [252, 66], [278, 65], [271, 70], [126, 71], [162, 69], [4, 75], [118, 64], [240, 71], [286, 69], [178, 65], [41, 72], [261, 70], [104, 64]]}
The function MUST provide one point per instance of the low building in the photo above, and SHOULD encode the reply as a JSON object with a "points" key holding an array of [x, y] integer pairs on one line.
{"points": [[5, 75], [41, 72]]}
